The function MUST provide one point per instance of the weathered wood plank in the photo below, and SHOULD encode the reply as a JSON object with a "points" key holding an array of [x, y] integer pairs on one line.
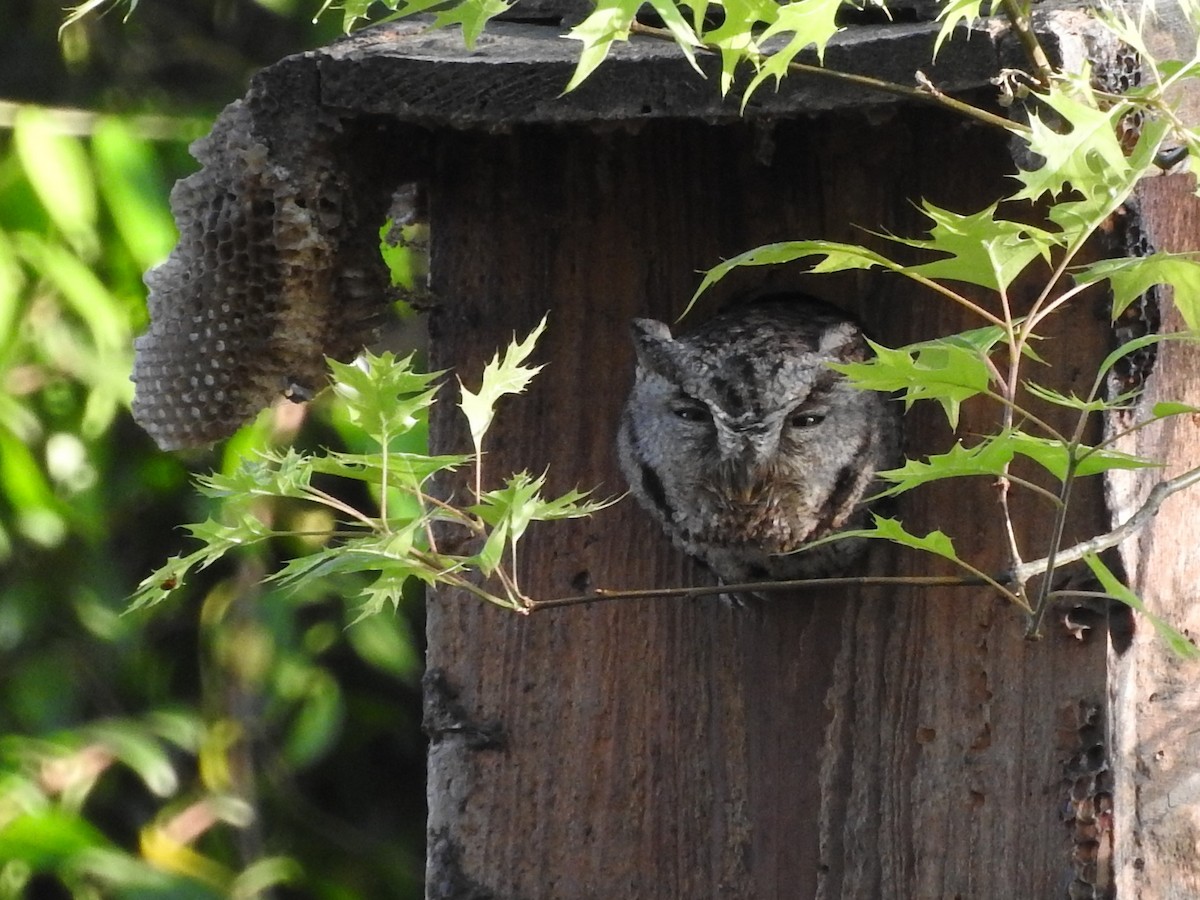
{"points": [[1155, 698], [848, 744], [517, 72]]}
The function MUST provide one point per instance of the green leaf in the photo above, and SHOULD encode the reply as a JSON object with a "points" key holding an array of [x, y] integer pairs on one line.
{"points": [[47, 838], [936, 542], [982, 249], [82, 291], [58, 168], [1054, 456], [1131, 277], [387, 643], [1071, 401], [1076, 152], [1168, 408], [834, 257], [131, 181], [217, 538], [734, 36], [942, 369], [501, 376], [986, 458], [520, 502], [1132, 346], [957, 11], [1181, 645], [405, 470], [383, 395], [318, 717], [264, 873], [608, 22], [472, 15], [685, 36], [142, 753], [385, 592], [1107, 189], [810, 22], [492, 555]]}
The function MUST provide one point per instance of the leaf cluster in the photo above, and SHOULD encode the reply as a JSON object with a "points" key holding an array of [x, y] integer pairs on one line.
{"points": [[48, 782], [1080, 173], [386, 398]]}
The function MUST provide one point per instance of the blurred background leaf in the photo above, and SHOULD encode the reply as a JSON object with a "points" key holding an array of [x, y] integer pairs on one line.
{"points": [[243, 742]]}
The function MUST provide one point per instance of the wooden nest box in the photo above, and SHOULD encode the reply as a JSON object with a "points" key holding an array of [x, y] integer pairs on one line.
{"points": [[851, 743]]}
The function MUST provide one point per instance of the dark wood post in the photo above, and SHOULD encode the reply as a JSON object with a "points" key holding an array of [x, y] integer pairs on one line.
{"points": [[832, 744]]}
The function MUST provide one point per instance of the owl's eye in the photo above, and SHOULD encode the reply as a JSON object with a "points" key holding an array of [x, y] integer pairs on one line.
{"points": [[692, 412], [805, 419]]}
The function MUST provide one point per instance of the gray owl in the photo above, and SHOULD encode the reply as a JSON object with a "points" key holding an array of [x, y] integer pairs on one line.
{"points": [[745, 445]]}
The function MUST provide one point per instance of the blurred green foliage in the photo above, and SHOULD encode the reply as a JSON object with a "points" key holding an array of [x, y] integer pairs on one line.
{"points": [[241, 741]]}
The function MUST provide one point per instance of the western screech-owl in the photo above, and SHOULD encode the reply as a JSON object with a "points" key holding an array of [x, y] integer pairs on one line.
{"points": [[745, 445]]}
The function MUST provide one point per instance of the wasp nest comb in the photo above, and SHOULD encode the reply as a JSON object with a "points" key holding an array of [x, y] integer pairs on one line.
{"points": [[277, 266]]}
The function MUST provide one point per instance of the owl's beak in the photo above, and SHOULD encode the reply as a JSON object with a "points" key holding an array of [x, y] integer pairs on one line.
{"points": [[747, 464]]}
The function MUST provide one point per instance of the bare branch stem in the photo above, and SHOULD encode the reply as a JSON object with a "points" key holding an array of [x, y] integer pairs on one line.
{"points": [[927, 93], [1020, 575], [1018, 18], [1149, 508]]}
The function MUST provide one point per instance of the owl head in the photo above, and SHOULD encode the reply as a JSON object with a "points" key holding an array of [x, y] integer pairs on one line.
{"points": [[740, 433]]}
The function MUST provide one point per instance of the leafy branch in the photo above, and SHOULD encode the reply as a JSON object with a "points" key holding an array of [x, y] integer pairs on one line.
{"points": [[386, 397], [1085, 175]]}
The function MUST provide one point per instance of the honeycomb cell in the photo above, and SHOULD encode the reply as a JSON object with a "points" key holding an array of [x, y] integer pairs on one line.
{"points": [[276, 268]]}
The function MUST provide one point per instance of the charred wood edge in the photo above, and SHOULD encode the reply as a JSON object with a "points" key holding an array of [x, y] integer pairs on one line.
{"points": [[444, 717], [517, 72], [445, 878], [1019, 574], [1088, 806]]}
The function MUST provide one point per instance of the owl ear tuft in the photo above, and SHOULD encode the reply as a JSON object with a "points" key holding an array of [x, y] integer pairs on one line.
{"points": [[844, 342], [654, 345]]}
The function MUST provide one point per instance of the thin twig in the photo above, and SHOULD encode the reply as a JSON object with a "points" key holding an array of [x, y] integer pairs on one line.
{"points": [[1020, 575], [1018, 18], [1149, 508], [758, 587], [83, 123], [1052, 557], [927, 93]]}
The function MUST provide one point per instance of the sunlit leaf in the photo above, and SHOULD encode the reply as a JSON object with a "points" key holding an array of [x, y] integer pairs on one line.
{"points": [[1077, 141], [986, 458], [607, 23], [1167, 408], [48, 838], [1181, 645], [980, 248], [58, 167], [1055, 456], [501, 376], [956, 11], [734, 35], [685, 36], [832, 257], [941, 370], [131, 181], [1130, 278], [811, 23], [384, 396], [472, 15], [936, 542]]}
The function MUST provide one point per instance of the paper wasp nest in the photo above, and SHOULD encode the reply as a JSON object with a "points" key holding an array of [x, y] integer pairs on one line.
{"points": [[276, 267]]}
